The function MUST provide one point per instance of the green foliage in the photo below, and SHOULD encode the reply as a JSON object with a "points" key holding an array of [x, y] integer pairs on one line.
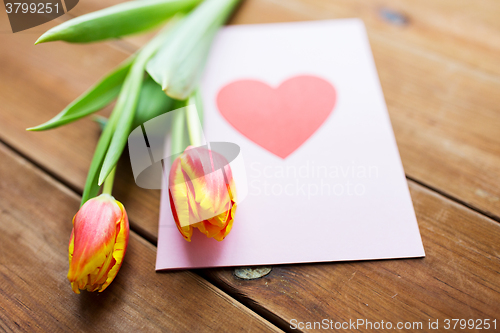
{"points": [[127, 104], [174, 60], [152, 102], [178, 65], [121, 20]]}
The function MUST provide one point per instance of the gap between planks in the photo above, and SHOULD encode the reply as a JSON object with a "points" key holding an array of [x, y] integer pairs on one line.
{"points": [[454, 199]]}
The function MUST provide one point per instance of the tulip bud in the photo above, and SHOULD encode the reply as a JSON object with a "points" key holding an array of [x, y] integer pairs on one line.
{"points": [[98, 243], [202, 193]]}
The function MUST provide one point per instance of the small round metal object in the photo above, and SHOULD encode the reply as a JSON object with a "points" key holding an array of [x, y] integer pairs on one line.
{"points": [[252, 273], [393, 17]]}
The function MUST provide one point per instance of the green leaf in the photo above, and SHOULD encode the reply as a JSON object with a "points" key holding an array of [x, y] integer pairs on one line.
{"points": [[94, 99], [116, 21], [91, 188], [134, 77], [127, 104], [178, 65], [152, 102]]}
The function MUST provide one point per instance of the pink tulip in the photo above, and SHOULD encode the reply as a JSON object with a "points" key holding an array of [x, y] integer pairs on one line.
{"points": [[98, 243], [202, 193]]}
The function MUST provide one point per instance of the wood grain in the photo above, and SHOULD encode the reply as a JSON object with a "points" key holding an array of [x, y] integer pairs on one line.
{"points": [[35, 215], [441, 27], [458, 278]]}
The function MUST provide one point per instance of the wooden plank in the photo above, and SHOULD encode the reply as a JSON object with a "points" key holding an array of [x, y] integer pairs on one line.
{"points": [[35, 295], [442, 27], [459, 278]]}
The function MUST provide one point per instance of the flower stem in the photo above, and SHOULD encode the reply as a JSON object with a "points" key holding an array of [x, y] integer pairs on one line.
{"points": [[108, 183], [178, 143], [194, 117], [193, 124]]}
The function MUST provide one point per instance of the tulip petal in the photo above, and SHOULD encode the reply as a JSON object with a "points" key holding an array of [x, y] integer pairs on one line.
{"points": [[202, 193], [120, 247], [97, 244], [71, 248], [179, 202], [186, 231], [100, 274], [208, 183], [229, 225]]}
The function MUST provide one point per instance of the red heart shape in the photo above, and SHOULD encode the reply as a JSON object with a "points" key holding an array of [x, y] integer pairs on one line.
{"points": [[279, 120]]}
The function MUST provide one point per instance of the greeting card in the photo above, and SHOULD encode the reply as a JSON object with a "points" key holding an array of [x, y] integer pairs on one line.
{"points": [[324, 180]]}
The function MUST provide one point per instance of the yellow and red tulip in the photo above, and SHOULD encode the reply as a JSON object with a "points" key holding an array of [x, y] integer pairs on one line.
{"points": [[202, 193], [98, 243]]}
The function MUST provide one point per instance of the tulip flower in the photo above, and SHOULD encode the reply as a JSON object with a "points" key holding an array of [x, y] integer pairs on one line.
{"points": [[202, 193], [98, 243]]}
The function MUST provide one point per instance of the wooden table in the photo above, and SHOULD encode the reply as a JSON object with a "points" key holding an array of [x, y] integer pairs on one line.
{"points": [[439, 65]]}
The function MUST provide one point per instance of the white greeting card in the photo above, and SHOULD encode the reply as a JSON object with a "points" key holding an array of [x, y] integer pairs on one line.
{"points": [[324, 177]]}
